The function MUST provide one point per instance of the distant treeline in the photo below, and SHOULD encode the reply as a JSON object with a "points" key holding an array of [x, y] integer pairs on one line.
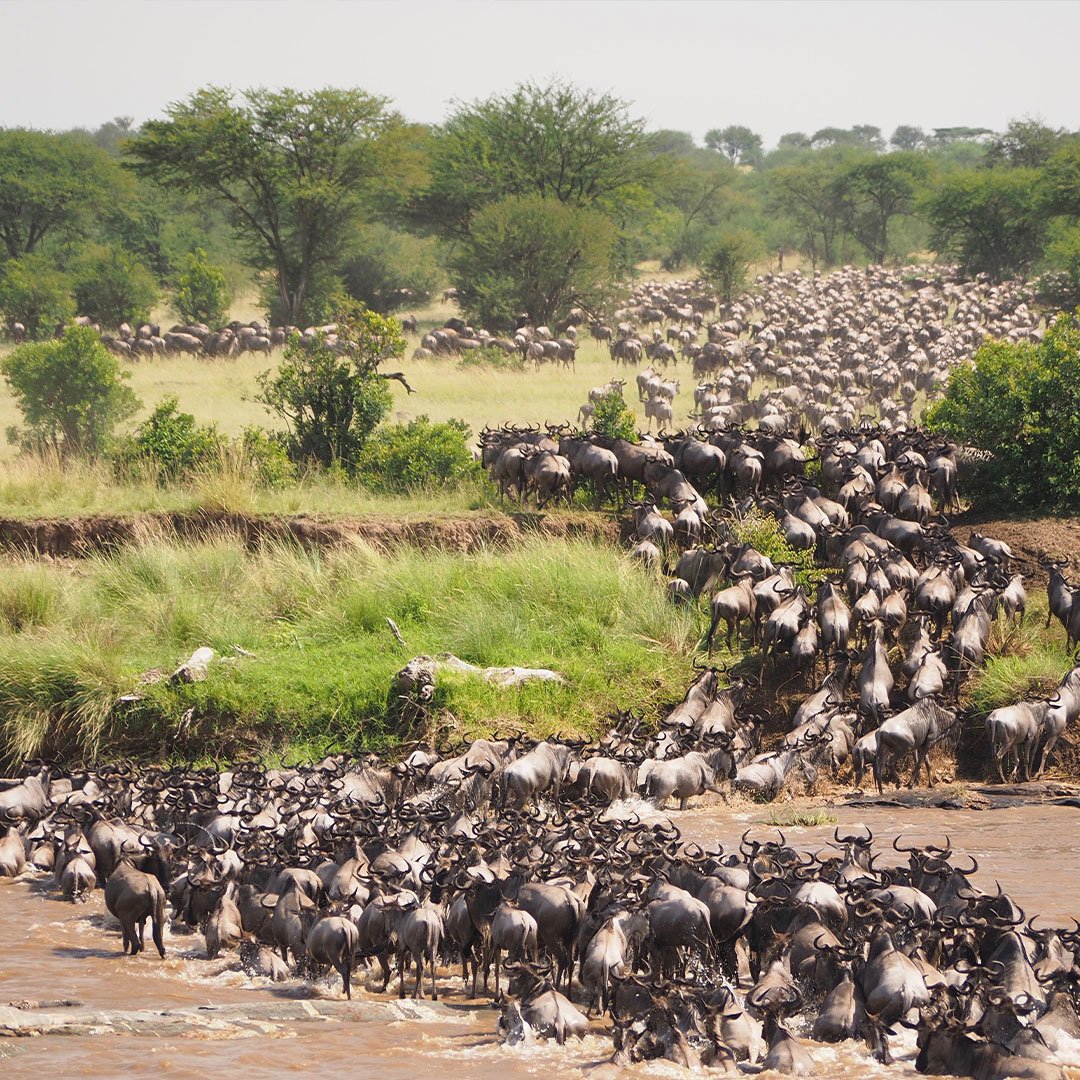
{"points": [[538, 200]]}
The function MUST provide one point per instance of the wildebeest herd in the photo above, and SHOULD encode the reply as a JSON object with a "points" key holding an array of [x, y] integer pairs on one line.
{"points": [[700, 957]]}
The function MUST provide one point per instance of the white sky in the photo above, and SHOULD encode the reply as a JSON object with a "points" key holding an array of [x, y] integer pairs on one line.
{"points": [[775, 67]]}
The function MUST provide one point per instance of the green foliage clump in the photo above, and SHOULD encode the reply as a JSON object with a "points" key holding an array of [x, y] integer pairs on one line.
{"points": [[1059, 284], [726, 262], [331, 397], [389, 270], [612, 419], [417, 455], [33, 292], [990, 220], [529, 254], [763, 533], [70, 392], [170, 442], [202, 292], [1022, 403], [266, 455], [112, 287]]}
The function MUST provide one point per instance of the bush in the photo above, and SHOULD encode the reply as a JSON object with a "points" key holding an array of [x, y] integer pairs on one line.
{"points": [[170, 441], [763, 533], [267, 456], [419, 454], [33, 292], [70, 392], [528, 253], [202, 293], [1022, 403], [113, 288], [612, 419], [326, 294], [390, 270], [331, 398]]}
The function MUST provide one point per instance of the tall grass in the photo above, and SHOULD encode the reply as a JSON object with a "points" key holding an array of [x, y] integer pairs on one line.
{"points": [[71, 645], [48, 486], [1023, 660]]}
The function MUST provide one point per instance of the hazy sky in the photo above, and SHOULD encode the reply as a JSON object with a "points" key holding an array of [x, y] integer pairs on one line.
{"points": [[774, 66]]}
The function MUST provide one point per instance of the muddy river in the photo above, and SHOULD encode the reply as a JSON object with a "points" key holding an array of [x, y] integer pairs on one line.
{"points": [[53, 950]]}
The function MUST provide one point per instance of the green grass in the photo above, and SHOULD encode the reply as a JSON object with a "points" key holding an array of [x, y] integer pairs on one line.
{"points": [[222, 391], [49, 487], [74, 638], [1024, 660]]}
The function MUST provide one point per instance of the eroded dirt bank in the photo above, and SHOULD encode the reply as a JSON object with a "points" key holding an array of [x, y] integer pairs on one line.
{"points": [[77, 537]]}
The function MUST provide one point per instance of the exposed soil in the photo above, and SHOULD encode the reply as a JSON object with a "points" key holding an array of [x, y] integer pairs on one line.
{"points": [[82, 536], [1058, 537]]}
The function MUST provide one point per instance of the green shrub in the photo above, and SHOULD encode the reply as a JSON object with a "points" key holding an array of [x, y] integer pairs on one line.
{"points": [[171, 442], [389, 270], [114, 288], [419, 454], [1022, 403], [202, 292], [326, 293], [331, 400], [612, 419], [763, 533], [33, 292], [70, 392], [726, 261], [267, 456]]}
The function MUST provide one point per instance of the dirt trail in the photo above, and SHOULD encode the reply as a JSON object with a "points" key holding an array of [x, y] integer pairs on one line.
{"points": [[81, 536]]}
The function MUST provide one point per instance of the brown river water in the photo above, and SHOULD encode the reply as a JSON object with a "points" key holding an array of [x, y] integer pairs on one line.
{"points": [[55, 950]]}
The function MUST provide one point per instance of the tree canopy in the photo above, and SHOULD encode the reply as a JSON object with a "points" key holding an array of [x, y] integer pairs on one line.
{"points": [[294, 170], [529, 254], [555, 141], [48, 184]]}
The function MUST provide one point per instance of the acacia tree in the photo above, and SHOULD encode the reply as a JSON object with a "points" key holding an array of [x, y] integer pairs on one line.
{"points": [[989, 220], [808, 196], [48, 183], [874, 191], [292, 169], [556, 142], [737, 143]]}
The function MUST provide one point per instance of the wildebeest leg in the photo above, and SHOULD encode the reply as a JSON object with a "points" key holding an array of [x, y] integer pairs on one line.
{"points": [[384, 963], [497, 952], [157, 932], [129, 937], [434, 988], [401, 974], [418, 989]]}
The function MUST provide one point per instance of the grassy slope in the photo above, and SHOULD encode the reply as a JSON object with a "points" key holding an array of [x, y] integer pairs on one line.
{"points": [[73, 638]]}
